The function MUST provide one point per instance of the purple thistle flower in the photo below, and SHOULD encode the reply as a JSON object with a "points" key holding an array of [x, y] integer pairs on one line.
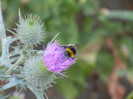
{"points": [[55, 59]]}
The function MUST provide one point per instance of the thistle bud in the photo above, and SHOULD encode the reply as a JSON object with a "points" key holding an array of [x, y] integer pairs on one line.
{"points": [[36, 74], [30, 30]]}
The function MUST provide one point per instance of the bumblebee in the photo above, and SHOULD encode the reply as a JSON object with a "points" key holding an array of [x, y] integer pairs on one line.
{"points": [[70, 50]]}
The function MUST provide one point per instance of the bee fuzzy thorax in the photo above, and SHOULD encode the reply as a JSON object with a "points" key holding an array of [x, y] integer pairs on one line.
{"points": [[70, 50]]}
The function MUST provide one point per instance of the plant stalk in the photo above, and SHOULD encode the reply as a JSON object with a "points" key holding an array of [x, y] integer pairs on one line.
{"points": [[21, 58]]}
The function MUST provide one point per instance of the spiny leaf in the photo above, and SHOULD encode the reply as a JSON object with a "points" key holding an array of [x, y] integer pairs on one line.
{"points": [[15, 81]]}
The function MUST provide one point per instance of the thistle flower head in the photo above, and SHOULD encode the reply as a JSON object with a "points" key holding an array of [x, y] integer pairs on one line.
{"points": [[30, 30], [36, 74], [55, 59]]}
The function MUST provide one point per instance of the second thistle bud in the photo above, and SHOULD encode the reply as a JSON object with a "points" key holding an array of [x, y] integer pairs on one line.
{"points": [[36, 74], [30, 30]]}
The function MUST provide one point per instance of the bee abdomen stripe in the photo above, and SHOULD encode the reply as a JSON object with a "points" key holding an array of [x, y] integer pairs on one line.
{"points": [[70, 52]]}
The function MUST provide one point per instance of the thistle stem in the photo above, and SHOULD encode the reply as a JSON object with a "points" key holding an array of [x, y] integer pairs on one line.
{"points": [[38, 94], [1, 62], [17, 63], [2, 27], [3, 34], [4, 41], [21, 58]]}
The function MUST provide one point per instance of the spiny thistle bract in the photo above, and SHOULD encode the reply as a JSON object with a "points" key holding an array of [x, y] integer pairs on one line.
{"points": [[36, 74], [30, 30]]}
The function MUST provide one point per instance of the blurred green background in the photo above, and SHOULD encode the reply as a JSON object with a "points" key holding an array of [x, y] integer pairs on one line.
{"points": [[102, 28]]}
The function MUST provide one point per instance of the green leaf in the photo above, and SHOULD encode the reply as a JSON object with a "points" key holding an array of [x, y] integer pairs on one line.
{"points": [[124, 15], [105, 62], [12, 10], [15, 81], [130, 96], [69, 33], [2, 67], [75, 81], [89, 7], [68, 89], [13, 97], [111, 26], [3, 77]]}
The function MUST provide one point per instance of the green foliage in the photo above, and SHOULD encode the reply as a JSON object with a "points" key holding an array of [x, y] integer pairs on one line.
{"points": [[105, 62], [124, 15], [72, 86], [15, 81], [130, 96], [14, 97], [82, 22]]}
